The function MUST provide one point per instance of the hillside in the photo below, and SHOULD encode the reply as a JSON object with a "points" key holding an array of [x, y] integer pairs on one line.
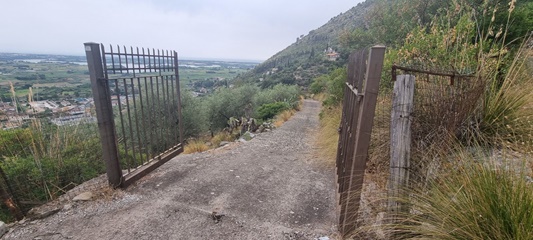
{"points": [[306, 58]]}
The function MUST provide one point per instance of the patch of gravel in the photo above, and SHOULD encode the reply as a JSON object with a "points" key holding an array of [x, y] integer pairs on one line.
{"points": [[267, 188]]}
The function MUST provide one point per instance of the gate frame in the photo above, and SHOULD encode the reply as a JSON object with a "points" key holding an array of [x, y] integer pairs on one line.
{"points": [[355, 131], [106, 124]]}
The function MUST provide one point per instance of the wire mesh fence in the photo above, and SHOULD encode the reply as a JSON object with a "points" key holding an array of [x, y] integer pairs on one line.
{"points": [[443, 104]]}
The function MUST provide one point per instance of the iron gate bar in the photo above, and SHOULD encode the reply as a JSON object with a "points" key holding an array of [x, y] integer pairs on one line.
{"points": [[129, 122], [142, 153], [104, 114], [452, 75], [152, 154], [167, 109], [178, 98], [136, 121], [164, 80], [160, 133], [173, 97], [126, 58], [145, 143], [119, 103]]}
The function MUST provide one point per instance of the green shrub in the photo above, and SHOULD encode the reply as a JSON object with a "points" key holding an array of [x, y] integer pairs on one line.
{"points": [[332, 84], [15, 142], [43, 161], [335, 86], [269, 110], [229, 102], [319, 84], [279, 93], [193, 115]]}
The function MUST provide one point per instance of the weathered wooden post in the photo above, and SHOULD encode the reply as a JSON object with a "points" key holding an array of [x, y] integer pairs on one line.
{"points": [[357, 163], [104, 113], [402, 108]]}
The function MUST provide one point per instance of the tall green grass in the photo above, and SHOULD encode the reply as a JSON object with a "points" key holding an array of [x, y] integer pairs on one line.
{"points": [[476, 198], [507, 109], [44, 161]]}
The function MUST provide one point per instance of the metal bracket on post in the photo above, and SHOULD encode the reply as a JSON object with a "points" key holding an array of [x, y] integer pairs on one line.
{"points": [[104, 114]]}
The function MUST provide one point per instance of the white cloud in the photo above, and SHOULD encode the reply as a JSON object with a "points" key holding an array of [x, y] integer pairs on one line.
{"points": [[237, 29]]}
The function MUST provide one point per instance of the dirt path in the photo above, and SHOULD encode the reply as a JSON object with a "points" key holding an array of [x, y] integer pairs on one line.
{"points": [[268, 188]]}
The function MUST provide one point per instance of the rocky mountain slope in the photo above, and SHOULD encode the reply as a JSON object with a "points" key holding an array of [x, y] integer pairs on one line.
{"points": [[312, 54]]}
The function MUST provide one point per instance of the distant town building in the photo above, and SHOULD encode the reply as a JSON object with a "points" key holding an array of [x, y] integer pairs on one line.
{"points": [[331, 54]]}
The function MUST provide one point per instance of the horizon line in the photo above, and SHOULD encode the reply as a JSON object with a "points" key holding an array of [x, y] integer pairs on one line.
{"points": [[182, 58]]}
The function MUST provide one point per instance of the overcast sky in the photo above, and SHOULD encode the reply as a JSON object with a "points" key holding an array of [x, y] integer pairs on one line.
{"points": [[229, 29]]}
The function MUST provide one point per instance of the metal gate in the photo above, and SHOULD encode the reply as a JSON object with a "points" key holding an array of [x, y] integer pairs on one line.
{"points": [[138, 108], [360, 95]]}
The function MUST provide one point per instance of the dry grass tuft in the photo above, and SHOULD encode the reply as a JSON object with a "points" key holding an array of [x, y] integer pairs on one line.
{"points": [[507, 111], [195, 146], [220, 137], [107, 193], [300, 103], [327, 138], [283, 117], [319, 97], [475, 198]]}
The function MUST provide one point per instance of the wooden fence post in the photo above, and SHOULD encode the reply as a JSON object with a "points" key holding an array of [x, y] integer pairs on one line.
{"points": [[365, 116], [104, 113], [400, 149]]}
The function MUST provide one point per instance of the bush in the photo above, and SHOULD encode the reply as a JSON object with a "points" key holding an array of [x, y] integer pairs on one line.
{"points": [[44, 161], [194, 117], [319, 84], [15, 142], [269, 110], [229, 102], [279, 93]]}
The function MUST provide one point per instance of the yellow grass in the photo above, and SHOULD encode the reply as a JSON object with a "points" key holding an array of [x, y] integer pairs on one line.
{"points": [[319, 97], [195, 146], [220, 137], [283, 117], [328, 136], [300, 103]]}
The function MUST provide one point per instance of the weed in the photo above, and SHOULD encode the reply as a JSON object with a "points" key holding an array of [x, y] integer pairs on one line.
{"points": [[220, 137], [195, 146], [507, 109], [328, 135], [476, 198], [283, 117]]}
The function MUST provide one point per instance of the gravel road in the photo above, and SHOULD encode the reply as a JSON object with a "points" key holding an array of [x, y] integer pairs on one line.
{"points": [[268, 188]]}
